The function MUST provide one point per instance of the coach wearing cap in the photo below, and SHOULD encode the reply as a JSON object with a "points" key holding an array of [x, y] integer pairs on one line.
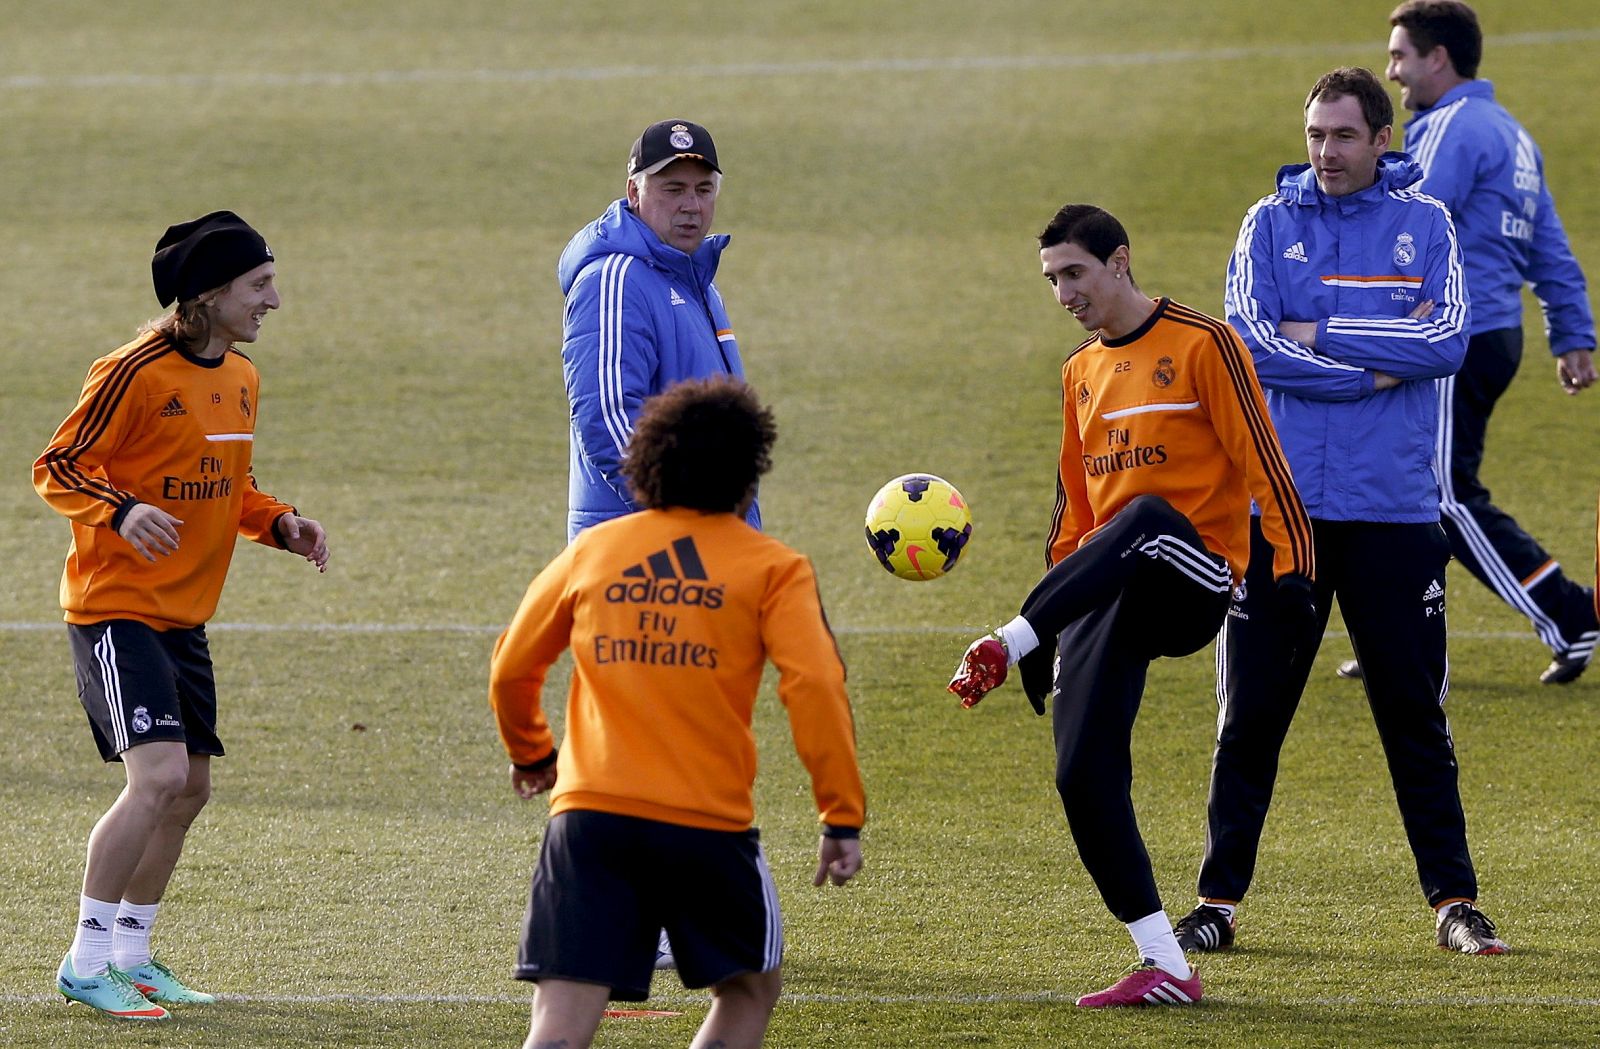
{"points": [[642, 311]]}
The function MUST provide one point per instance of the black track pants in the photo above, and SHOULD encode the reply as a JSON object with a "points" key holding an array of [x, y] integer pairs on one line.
{"points": [[1145, 586], [1484, 538], [1389, 579]]}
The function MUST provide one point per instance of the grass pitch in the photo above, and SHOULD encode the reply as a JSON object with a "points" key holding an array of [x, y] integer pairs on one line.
{"points": [[359, 876]]}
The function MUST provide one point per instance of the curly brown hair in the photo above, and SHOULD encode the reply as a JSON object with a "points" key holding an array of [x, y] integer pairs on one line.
{"points": [[701, 444]]}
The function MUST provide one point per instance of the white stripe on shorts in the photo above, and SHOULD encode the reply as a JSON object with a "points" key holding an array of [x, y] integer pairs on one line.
{"points": [[105, 653], [772, 950]]}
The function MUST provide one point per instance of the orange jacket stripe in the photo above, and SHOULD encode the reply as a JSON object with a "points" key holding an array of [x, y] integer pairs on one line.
{"points": [[1284, 517], [110, 394], [62, 460]]}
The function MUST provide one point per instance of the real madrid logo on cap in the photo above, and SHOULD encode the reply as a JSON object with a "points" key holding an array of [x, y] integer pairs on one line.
{"points": [[680, 138]]}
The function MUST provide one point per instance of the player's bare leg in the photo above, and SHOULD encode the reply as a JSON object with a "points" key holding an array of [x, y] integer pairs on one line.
{"points": [[740, 1011], [158, 774], [566, 1014], [165, 844]]}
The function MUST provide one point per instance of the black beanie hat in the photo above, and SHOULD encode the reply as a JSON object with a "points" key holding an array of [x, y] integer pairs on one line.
{"points": [[204, 253]]}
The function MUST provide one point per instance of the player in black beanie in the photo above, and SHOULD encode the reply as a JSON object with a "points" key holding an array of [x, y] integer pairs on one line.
{"points": [[154, 470], [195, 265]]}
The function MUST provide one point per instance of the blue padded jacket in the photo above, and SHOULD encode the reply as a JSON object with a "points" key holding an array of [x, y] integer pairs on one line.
{"points": [[1357, 265], [640, 316]]}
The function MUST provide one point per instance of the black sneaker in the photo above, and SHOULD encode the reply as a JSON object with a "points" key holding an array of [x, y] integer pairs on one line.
{"points": [[1564, 670], [1205, 928], [1350, 669], [1469, 930]]}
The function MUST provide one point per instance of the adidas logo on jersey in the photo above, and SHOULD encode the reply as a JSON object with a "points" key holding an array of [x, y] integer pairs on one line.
{"points": [[174, 407], [662, 579], [1434, 591], [677, 300], [1296, 252]]}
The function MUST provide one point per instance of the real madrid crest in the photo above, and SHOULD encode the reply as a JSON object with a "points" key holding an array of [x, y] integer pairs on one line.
{"points": [[1164, 374], [680, 137], [1405, 251]]}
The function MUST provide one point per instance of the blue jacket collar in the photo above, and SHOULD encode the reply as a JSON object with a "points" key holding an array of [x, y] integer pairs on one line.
{"points": [[620, 232], [1298, 183], [1483, 89]]}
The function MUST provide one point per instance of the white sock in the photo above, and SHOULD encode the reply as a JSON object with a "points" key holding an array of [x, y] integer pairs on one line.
{"points": [[1019, 638], [1226, 908], [130, 940], [1152, 934], [1438, 915], [91, 945]]}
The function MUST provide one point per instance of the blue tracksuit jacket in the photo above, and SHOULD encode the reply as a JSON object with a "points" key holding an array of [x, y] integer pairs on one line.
{"points": [[1478, 160], [640, 316], [1357, 265]]}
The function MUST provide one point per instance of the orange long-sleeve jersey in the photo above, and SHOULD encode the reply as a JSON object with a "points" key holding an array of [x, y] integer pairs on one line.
{"points": [[1174, 409], [671, 616], [156, 425]]}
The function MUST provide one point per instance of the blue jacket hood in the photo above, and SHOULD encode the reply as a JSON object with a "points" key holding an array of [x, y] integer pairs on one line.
{"points": [[1396, 170], [620, 232]]}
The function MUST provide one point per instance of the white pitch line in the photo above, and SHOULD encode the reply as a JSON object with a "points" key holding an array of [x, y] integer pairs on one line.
{"points": [[31, 627], [1024, 998], [816, 67]]}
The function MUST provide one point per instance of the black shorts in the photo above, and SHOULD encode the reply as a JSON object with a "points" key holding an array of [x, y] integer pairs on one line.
{"points": [[606, 885], [139, 685]]}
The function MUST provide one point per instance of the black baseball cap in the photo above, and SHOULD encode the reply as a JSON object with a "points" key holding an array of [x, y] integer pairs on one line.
{"points": [[204, 253], [669, 140]]}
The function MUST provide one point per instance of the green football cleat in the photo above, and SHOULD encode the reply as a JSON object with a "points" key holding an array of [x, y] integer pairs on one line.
{"points": [[111, 992], [160, 985]]}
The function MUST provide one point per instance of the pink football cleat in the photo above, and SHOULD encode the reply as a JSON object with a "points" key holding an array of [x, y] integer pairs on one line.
{"points": [[1146, 984], [982, 670]]}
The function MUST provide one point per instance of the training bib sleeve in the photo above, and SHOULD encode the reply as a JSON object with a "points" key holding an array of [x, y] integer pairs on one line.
{"points": [[539, 632], [811, 676]]}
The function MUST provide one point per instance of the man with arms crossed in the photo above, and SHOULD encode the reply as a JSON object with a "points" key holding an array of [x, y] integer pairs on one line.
{"points": [[1487, 170], [153, 468], [671, 613], [1164, 443], [1347, 286]]}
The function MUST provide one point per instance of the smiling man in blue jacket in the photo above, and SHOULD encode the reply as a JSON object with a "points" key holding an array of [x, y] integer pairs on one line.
{"points": [[1489, 172], [1347, 286], [643, 310]]}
